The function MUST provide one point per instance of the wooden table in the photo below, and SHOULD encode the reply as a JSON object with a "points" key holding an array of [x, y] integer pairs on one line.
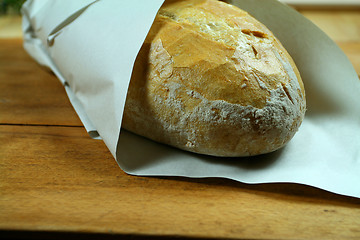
{"points": [[56, 182]]}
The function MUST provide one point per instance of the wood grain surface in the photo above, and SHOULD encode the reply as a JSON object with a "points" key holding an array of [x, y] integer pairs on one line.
{"points": [[58, 179], [55, 179], [30, 94]]}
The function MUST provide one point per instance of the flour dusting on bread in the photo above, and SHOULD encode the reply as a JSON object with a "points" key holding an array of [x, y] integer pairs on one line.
{"points": [[211, 79]]}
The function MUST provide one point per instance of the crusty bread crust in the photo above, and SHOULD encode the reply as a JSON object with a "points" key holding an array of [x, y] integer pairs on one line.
{"points": [[211, 79]]}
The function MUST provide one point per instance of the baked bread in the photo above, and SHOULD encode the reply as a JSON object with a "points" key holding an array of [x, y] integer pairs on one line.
{"points": [[211, 79]]}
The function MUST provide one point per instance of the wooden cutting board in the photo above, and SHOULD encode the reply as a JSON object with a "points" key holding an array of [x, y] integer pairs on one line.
{"points": [[56, 182]]}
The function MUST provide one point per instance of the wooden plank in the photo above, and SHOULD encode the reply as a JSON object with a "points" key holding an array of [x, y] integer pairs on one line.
{"points": [[323, 4], [58, 179], [341, 26], [29, 94], [10, 26]]}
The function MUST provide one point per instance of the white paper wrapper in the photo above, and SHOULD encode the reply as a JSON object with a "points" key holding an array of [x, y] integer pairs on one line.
{"points": [[92, 45]]}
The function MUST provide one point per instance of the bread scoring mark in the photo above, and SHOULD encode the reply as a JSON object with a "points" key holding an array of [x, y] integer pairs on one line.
{"points": [[168, 14], [255, 51], [287, 92], [292, 89], [212, 26], [254, 33]]}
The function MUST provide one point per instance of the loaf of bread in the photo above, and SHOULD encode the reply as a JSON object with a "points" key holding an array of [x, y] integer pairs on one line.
{"points": [[211, 79]]}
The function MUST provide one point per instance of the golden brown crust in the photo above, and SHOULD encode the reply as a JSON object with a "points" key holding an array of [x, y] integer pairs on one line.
{"points": [[211, 79]]}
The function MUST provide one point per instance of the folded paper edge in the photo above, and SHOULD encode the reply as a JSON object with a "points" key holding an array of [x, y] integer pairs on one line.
{"points": [[35, 48]]}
